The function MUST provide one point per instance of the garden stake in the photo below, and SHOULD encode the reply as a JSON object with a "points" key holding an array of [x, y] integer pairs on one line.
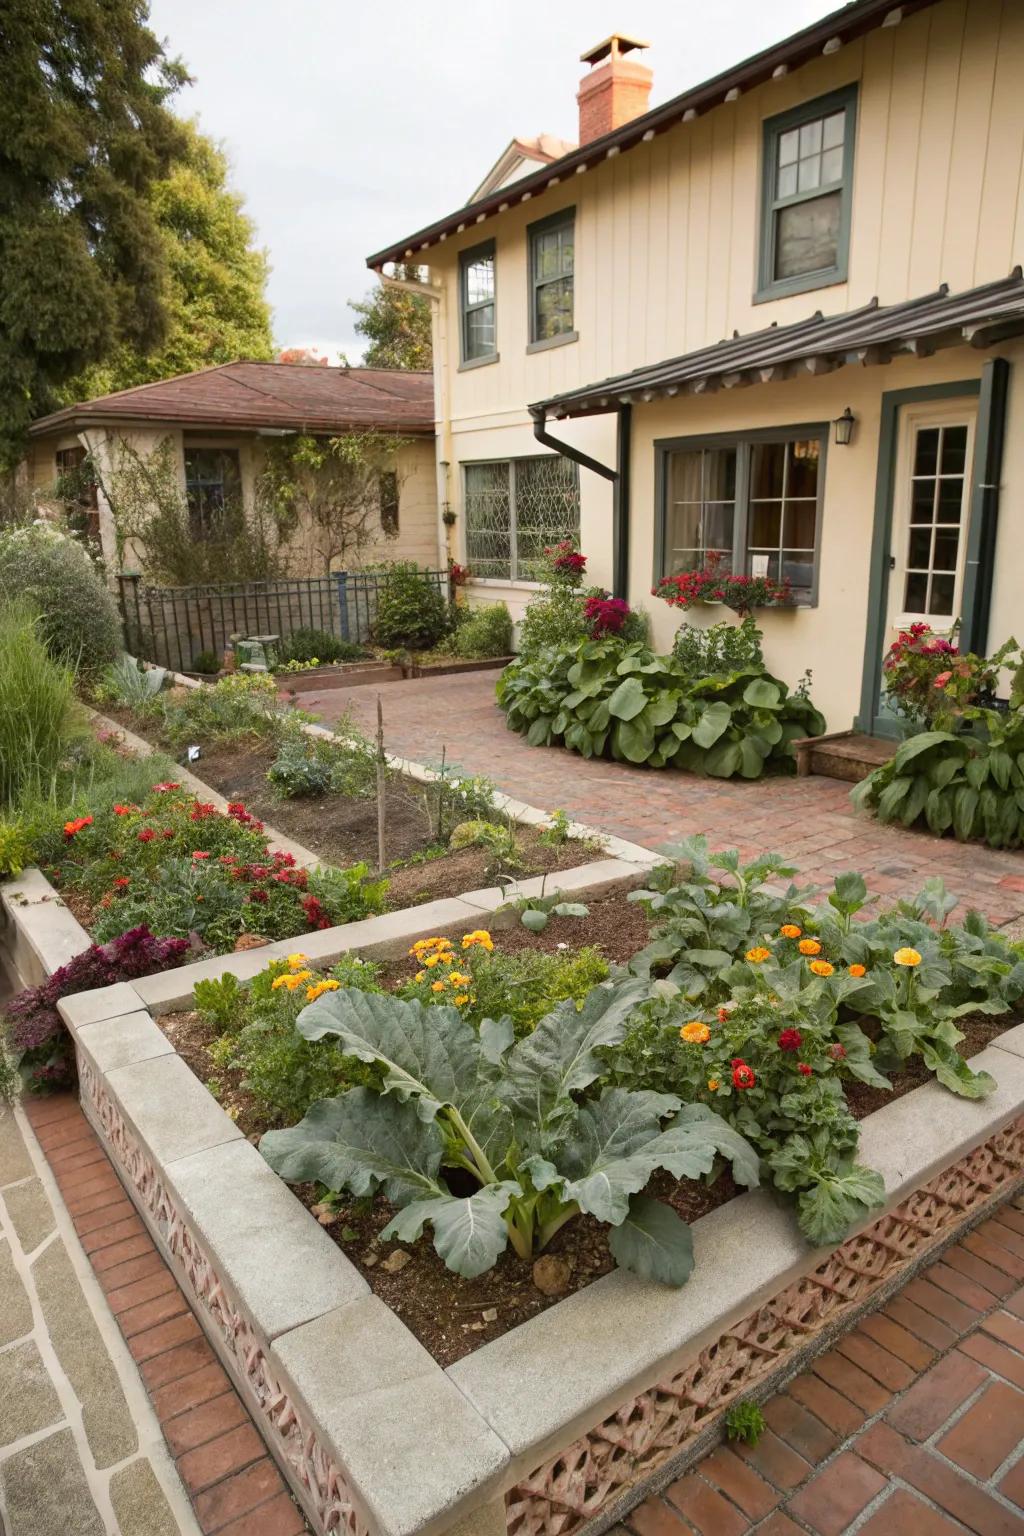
{"points": [[381, 811]]}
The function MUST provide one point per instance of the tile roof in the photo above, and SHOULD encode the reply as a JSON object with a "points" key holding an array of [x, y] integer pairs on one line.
{"points": [[840, 27], [873, 334], [270, 395]]}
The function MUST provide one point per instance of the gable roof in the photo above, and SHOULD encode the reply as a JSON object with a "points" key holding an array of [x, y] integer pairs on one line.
{"points": [[839, 27], [288, 396], [517, 157], [978, 317]]}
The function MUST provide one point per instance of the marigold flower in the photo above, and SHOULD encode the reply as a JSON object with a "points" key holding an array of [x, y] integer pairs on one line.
{"points": [[742, 1075], [858, 970], [421, 976], [319, 988], [758, 954], [431, 960], [458, 979], [437, 986], [804, 1069], [479, 936], [695, 1033], [821, 968], [462, 998], [714, 1084], [790, 1040], [809, 947], [296, 961], [790, 931], [907, 956]]}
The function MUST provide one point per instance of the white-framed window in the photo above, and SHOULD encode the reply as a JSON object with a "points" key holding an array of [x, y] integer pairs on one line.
{"points": [[514, 509]]}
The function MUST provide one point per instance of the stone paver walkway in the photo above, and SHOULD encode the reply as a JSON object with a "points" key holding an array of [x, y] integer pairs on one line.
{"points": [[913, 1425], [100, 1353], [810, 821], [80, 1448]]}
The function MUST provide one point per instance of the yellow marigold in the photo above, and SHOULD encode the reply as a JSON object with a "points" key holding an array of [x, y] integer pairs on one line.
{"points": [[279, 982], [463, 997], [695, 1033], [790, 931], [319, 988], [809, 947], [821, 968], [296, 961], [437, 986], [421, 975], [478, 936], [858, 970], [431, 960], [713, 1084], [907, 956], [291, 980], [758, 954], [459, 979]]}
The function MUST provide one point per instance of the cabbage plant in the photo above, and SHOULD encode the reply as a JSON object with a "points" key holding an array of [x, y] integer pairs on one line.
{"points": [[510, 1122]]}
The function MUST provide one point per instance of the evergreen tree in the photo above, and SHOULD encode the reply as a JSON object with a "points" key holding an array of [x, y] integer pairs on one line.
{"points": [[396, 325], [85, 131]]}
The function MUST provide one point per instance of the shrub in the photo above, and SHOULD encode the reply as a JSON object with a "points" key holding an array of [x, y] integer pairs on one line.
{"points": [[317, 645], [207, 663], [720, 648], [36, 706], [34, 1032], [605, 697], [127, 683], [307, 766], [242, 704], [553, 620], [411, 610], [523, 986], [80, 623], [484, 632]]}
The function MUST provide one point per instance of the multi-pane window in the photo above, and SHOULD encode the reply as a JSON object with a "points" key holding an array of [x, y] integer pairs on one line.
{"points": [[476, 281], [937, 498], [387, 489], [807, 194], [77, 485], [213, 485], [552, 265], [756, 501], [515, 508]]}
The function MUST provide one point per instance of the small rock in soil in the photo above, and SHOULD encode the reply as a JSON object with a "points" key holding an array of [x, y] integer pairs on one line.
{"points": [[396, 1261], [551, 1275], [249, 941], [370, 1259], [491, 1315], [325, 1214]]}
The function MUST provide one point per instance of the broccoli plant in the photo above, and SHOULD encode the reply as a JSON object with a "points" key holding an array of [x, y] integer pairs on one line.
{"points": [[512, 1118]]}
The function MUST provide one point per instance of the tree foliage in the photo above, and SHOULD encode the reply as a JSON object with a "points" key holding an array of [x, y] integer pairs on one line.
{"points": [[396, 326], [216, 308], [85, 132]]}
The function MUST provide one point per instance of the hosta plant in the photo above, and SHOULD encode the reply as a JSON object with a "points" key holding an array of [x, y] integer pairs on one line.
{"points": [[460, 1109]]}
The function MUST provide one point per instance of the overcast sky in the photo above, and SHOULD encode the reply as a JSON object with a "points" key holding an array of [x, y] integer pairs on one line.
{"points": [[349, 125]]}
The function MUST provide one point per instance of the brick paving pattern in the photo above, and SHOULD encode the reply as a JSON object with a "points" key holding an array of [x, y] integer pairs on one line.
{"points": [[913, 1425], [810, 821], [235, 1487]]}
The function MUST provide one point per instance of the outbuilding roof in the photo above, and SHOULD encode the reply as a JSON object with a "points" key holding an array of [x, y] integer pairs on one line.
{"points": [[290, 396], [875, 333]]}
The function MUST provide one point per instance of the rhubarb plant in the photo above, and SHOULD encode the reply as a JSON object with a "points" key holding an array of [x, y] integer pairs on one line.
{"points": [[508, 1122]]}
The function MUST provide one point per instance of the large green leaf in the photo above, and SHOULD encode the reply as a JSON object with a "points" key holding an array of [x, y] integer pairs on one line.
{"points": [[608, 1156], [628, 699], [714, 720], [469, 1233], [559, 1058], [654, 1242], [923, 742], [360, 1142], [954, 1073], [430, 1053], [688, 1145], [760, 693], [858, 1055], [837, 1199], [635, 739]]}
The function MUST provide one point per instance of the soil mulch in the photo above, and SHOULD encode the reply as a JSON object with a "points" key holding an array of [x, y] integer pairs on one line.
{"points": [[452, 1316]]}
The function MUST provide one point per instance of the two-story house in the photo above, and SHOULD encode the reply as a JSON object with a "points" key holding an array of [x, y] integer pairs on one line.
{"points": [[779, 316]]}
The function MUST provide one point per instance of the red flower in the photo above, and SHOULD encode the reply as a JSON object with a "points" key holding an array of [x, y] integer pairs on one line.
{"points": [[804, 1069], [790, 1040], [168, 832], [201, 811], [160, 789], [121, 882], [199, 855], [124, 810], [147, 835], [723, 1015], [72, 828], [742, 1075], [257, 894]]}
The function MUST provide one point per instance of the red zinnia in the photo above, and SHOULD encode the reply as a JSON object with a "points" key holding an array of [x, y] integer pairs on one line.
{"points": [[742, 1075], [837, 1051], [804, 1069], [146, 835], [790, 1040], [159, 789], [199, 855]]}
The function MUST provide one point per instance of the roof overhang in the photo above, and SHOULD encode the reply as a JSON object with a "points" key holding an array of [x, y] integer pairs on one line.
{"points": [[79, 418], [978, 317], [825, 36]]}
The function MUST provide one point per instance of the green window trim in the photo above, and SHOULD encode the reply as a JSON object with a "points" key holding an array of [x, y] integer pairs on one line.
{"points": [[743, 443], [774, 206], [477, 307], [513, 509], [542, 333]]}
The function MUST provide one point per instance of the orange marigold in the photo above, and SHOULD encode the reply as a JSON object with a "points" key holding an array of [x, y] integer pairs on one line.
{"points": [[858, 970], [790, 931], [809, 947], [758, 954], [822, 968], [695, 1033]]}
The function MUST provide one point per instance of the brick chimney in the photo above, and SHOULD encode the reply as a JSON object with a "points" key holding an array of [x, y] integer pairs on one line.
{"points": [[616, 90]]}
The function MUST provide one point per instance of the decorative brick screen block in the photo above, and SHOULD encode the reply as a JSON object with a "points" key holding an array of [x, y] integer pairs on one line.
{"points": [[649, 1430]]}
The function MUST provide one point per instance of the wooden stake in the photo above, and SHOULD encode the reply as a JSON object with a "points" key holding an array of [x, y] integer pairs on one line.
{"points": [[381, 790]]}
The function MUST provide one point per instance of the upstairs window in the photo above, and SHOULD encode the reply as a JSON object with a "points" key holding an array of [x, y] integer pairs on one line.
{"points": [[807, 195], [213, 486], [514, 509], [476, 300], [552, 245]]}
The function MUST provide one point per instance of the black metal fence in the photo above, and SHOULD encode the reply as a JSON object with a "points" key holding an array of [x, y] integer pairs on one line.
{"points": [[172, 625]]}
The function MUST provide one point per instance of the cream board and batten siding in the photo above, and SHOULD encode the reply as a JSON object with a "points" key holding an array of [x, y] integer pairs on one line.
{"points": [[667, 241]]}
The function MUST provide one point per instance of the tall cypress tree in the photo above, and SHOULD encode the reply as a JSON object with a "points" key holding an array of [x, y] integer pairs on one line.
{"points": [[84, 132]]}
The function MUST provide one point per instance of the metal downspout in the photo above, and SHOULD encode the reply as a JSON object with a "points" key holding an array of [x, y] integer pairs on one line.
{"points": [[618, 476]]}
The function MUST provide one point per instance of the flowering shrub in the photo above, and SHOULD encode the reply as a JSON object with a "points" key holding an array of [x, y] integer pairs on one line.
{"points": [[565, 563], [605, 615], [917, 667], [180, 866], [33, 1029], [714, 583]]}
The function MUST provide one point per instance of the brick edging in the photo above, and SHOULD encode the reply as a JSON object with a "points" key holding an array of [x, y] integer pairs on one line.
{"points": [[231, 1479]]}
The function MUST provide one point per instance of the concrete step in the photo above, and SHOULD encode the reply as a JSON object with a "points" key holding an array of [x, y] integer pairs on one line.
{"points": [[848, 755]]}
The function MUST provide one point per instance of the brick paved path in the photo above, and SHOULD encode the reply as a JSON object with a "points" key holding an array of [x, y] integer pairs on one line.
{"points": [[913, 1425], [234, 1486], [809, 820]]}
